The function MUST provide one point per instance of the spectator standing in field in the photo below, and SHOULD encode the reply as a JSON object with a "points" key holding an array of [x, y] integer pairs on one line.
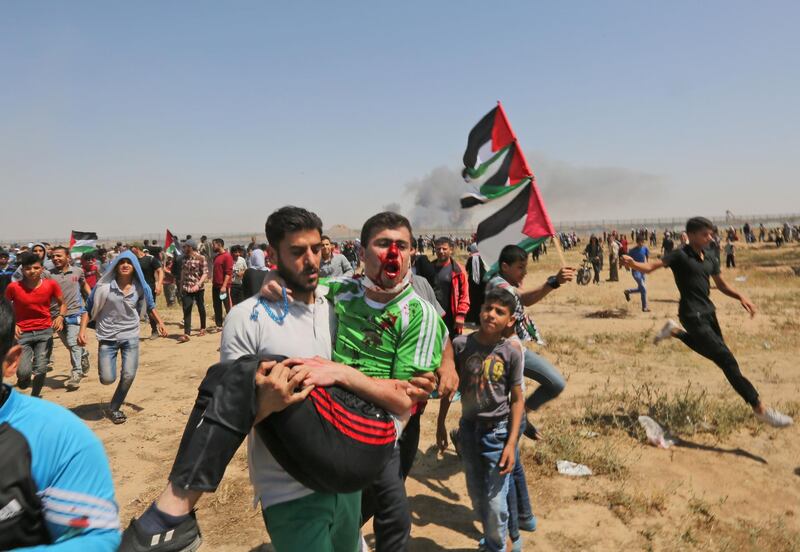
{"points": [[194, 273], [476, 270], [221, 281], [258, 258], [6, 271], [730, 259], [594, 252], [239, 268], [613, 259], [452, 287], [332, 264]]}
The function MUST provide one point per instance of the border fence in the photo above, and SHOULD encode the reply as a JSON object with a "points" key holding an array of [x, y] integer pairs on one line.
{"points": [[581, 227]]}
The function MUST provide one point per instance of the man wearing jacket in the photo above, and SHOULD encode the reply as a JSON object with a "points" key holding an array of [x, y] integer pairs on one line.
{"points": [[452, 290]]}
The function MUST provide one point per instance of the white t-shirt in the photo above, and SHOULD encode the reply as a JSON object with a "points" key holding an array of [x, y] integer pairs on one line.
{"points": [[308, 330]]}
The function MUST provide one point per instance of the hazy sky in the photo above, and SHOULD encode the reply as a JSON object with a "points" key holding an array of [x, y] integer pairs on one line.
{"points": [[127, 117]]}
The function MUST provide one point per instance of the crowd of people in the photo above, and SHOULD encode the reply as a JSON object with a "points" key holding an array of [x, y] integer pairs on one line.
{"points": [[329, 354]]}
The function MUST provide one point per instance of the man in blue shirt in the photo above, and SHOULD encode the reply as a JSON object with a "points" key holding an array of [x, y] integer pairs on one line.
{"points": [[640, 254], [56, 491]]}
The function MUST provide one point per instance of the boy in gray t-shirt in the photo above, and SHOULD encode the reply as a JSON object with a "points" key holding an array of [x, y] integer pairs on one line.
{"points": [[490, 381]]}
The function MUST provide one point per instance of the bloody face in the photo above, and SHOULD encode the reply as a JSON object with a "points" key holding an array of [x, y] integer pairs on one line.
{"points": [[387, 257]]}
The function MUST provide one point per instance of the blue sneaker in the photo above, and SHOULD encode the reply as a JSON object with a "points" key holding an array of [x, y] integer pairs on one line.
{"points": [[528, 524], [516, 545]]}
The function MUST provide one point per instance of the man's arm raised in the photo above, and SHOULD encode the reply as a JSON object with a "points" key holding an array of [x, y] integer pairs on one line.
{"points": [[533, 296]]}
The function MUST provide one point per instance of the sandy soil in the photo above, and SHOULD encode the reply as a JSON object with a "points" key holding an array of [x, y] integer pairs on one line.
{"points": [[738, 491]]}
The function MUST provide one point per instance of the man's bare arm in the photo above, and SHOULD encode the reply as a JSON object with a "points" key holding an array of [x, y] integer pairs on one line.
{"points": [[646, 268], [725, 288]]}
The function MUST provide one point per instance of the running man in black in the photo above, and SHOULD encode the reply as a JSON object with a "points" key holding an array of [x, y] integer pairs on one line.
{"points": [[692, 265]]}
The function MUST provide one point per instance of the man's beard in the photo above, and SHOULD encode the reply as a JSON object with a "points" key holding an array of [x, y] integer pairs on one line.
{"points": [[294, 283]]}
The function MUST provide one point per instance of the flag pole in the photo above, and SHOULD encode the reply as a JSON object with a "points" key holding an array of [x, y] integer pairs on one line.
{"points": [[560, 251]]}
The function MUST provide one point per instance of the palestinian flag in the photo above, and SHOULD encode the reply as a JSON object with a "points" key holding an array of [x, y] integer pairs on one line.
{"points": [[172, 245], [507, 203], [493, 161], [81, 242]]}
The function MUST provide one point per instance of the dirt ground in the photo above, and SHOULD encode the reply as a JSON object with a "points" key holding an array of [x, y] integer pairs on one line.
{"points": [[730, 484]]}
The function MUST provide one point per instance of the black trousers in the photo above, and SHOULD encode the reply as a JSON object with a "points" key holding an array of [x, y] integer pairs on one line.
{"points": [[704, 336], [327, 442], [237, 295], [386, 499], [187, 301], [218, 303]]}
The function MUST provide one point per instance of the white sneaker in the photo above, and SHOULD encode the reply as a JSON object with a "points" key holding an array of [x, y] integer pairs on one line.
{"points": [[666, 331], [774, 418]]}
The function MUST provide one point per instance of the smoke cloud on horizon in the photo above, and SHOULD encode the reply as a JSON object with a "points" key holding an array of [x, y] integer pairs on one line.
{"points": [[570, 192]]}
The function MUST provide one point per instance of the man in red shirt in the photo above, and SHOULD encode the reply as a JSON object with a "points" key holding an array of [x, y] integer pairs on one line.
{"points": [[31, 298], [221, 280]]}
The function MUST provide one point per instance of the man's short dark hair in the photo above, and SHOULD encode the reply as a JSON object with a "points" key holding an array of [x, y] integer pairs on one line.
{"points": [[383, 221], [511, 254], [4, 253], [237, 249], [62, 248], [443, 240], [28, 258], [696, 224], [501, 296], [220, 241], [324, 237], [290, 219], [262, 246], [7, 323]]}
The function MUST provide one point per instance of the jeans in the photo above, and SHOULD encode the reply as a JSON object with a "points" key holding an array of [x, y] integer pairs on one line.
{"points": [[613, 269], [77, 354], [703, 335], [639, 277], [551, 382], [386, 500], [188, 300], [107, 365], [597, 266], [217, 302], [519, 501], [34, 345], [237, 294], [481, 448]]}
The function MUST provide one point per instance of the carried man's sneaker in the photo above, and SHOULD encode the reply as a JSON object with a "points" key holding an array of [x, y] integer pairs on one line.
{"points": [[627, 295], [183, 538], [774, 418], [666, 331], [74, 382]]}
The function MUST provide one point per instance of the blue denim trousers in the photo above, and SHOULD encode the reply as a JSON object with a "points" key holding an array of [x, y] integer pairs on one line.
{"points": [[519, 500], [481, 447], [35, 345], [551, 382], [639, 277], [107, 364], [69, 337]]}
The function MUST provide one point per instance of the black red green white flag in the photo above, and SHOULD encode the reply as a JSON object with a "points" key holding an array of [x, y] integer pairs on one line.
{"points": [[81, 242], [172, 245], [504, 198]]}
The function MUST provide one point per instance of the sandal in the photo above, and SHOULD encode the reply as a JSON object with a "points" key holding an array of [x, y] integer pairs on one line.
{"points": [[118, 417]]}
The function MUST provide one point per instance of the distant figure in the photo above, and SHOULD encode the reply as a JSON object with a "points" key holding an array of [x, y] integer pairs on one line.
{"points": [[730, 259]]}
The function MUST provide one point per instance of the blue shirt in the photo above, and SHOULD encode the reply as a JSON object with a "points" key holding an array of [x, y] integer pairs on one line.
{"points": [[71, 473], [639, 253]]}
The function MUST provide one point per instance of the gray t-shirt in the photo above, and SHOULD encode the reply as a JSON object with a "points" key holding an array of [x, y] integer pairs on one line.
{"points": [[335, 267], [70, 280], [118, 320], [307, 331], [424, 290], [486, 375]]}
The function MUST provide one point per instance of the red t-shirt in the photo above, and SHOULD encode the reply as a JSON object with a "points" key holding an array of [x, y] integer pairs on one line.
{"points": [[32, 306], [223, 265]]}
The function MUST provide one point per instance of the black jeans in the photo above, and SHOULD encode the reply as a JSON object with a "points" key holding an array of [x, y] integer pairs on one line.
{"points": [[237, 295], [386, 500], [188, 300], [217, 302], [703, 335]]}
